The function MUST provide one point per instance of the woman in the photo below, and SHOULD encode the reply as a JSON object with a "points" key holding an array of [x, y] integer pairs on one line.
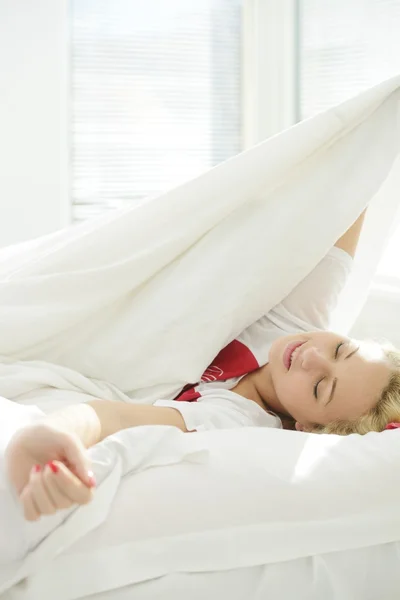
{"points": [[285, 367]]}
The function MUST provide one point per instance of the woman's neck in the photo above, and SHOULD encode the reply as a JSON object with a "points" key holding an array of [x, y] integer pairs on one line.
{"points": [[258, 386], [247, 388], [262, 381]]}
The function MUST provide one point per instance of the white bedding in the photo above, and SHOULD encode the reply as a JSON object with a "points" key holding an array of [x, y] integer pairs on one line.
{"points": [[134, 305], [209, 506], [314, 578]]}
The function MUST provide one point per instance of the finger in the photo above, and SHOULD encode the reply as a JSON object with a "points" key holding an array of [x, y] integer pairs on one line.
{"points": [[41, 499], [77, 460], [58, 498], [69, 485], [31, 510]]}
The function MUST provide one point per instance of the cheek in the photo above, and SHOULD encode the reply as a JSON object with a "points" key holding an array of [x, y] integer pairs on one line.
{"points": [[291, 390], [275, 354], [295, 393]]}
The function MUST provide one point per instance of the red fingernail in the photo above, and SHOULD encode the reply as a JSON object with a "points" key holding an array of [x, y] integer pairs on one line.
{"points": [[53, 467], [37, 469]]}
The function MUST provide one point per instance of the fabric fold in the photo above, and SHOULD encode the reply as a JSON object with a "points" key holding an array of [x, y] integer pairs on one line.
{"points": [[134, 305], [146, 297], [170, 502]]}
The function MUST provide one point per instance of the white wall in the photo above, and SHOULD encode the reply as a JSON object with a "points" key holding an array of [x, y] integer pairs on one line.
{"points": [[34, 187], [379, 318]]}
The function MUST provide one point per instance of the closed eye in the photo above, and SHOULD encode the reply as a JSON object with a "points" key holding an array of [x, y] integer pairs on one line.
{"points": [[338, 348], [336, 353], [335, 380]]}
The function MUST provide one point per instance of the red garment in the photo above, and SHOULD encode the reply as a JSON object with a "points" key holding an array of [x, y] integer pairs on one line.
{"points": [[234, 360]]}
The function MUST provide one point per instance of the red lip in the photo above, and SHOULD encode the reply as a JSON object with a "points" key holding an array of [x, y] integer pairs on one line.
{"points": [[290, 348]]}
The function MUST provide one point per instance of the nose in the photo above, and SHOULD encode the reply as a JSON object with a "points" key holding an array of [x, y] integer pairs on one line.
{"points": [[312, 358]]}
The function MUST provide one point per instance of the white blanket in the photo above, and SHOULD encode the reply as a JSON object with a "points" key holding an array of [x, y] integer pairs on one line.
{"points": [[134, 305], [217, 502], [146, 297]]}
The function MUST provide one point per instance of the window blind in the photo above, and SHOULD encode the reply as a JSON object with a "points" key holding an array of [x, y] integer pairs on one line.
{"points": [[155, 96], [346, 46]]}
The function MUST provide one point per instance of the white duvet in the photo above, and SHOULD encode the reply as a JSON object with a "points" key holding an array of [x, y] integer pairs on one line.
{"points": [[130, 307]]}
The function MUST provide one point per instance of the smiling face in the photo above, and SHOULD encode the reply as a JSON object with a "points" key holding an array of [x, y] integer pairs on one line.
{"points": [[330, 377]]}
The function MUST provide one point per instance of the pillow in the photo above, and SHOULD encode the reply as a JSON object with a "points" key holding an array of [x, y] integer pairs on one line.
{"points": [[263, 506]]}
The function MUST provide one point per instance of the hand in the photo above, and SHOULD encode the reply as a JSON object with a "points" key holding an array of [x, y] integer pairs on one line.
{"points": [[51, 489], [41, 443]]}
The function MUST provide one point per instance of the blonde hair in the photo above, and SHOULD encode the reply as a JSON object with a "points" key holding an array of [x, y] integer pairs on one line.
{"points": [[386, 410]]}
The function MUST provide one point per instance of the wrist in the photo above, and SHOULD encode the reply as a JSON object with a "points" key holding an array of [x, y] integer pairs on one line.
{"points": [[80, 420]]}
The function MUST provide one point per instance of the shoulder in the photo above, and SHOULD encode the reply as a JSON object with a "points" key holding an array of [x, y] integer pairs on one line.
{"points": [[250, 410], [221, 409]]}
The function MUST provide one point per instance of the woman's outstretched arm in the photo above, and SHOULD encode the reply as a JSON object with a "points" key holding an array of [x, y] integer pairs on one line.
{"points": [[47, 461], [93, 421], [349, 240]]}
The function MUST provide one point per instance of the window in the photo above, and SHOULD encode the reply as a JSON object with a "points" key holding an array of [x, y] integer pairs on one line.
{"points": [[344, 47], [156, 96]]}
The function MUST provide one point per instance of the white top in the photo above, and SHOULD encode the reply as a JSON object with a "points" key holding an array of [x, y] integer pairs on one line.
{"points": [[210, 404]]}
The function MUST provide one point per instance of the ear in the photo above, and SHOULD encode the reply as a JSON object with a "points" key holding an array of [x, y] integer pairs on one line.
{"points": [[301, 427]]}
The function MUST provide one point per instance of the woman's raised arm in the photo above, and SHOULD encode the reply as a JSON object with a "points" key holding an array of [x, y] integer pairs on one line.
{"points": [[349, 240]]}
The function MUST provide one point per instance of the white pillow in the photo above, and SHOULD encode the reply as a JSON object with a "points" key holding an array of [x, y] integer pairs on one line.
{"points": [[364, 574], [250, 505]]}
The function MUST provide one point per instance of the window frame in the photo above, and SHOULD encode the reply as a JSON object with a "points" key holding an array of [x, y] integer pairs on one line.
{"points": [[35, 188], [44, 90], [270, 84]]}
